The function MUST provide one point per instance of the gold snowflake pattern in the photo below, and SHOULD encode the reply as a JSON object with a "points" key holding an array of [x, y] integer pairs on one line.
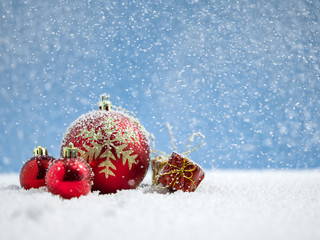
{"points": [[109, 137]]}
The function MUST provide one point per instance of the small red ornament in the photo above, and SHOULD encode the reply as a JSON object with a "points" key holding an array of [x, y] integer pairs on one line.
{"points": [[180, 173], [33, 172], [114, 144], [69, 176]]}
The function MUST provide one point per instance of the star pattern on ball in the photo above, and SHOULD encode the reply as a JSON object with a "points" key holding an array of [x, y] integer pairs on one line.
{"points": [[110, 136]]}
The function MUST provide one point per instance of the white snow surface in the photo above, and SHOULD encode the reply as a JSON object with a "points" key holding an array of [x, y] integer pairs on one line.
{"points": [[227, 205]]}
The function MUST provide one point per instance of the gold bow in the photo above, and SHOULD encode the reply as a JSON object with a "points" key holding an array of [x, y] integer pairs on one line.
{"points": [[161, 158], [180, 171]]}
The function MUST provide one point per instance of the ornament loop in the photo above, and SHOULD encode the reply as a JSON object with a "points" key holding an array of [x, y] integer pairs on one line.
{"points": [[70, 151], [40, 151]]}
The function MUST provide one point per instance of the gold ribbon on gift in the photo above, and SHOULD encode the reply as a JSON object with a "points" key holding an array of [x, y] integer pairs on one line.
{"points": [[180, 171], [161, 158]]}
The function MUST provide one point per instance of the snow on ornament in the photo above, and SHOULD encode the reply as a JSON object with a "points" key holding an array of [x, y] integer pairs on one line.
{"points": [[115, 145]]}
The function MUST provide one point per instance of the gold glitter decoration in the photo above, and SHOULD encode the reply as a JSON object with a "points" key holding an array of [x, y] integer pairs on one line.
{"points": [[109, 137]]}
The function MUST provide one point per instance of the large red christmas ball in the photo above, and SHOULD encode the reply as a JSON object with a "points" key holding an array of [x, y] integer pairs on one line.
{"points": [[33, 172], [69, 176], [116, 147]]}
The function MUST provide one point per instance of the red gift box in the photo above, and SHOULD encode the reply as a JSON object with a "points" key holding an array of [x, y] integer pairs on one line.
{"points": [[180, 173]]}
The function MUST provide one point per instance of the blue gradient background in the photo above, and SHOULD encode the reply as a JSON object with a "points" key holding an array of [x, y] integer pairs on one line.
{"points": [[244, 73]]}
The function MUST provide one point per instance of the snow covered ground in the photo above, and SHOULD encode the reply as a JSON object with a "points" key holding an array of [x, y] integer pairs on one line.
{"points": [[227, 205]]}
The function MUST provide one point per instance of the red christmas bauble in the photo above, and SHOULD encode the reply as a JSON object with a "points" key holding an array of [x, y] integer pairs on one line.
{"points": [[69, 176], [115, 145], [33, 172]]}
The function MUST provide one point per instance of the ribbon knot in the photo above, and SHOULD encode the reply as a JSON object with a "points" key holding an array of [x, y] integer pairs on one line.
{"points": [[180, 171]]}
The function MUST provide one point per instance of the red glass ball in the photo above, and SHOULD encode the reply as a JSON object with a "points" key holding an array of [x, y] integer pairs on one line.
{"points": [[116, 147], [33, 172], [69, 177]]}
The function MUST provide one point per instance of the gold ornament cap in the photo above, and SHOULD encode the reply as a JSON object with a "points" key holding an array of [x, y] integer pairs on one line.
{"points": [[70, 151], [105, 103], [40, 151]]}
